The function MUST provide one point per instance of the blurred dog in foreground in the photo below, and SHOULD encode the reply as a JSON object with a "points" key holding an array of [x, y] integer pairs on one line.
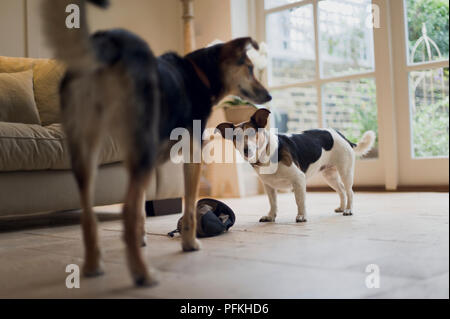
{"points": [[115, 85]]}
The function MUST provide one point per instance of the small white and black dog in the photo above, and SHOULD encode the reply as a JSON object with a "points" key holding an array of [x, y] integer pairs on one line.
{"points": [[298, 157]]}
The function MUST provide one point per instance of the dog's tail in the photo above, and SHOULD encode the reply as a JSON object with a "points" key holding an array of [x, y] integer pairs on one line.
{"points": [[68, 38], [365, 144]]}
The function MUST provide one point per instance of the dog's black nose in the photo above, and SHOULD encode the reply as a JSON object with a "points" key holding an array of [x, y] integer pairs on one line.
{"points": [[269, 98]]}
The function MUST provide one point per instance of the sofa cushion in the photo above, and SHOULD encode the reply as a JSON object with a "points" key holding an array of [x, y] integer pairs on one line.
{"points": [[47, 77], [169, 180], [17, 98], [33, 147]]}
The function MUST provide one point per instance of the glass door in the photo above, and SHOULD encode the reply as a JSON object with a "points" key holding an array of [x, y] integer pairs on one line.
{"points": [[421, 41]]}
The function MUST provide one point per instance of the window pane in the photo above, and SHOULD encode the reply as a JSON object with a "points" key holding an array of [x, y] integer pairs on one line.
{"points": [[295, 109], [290, 38], [351, 108], [427, 30], [429, 112], [346, 44], [269, 4]]}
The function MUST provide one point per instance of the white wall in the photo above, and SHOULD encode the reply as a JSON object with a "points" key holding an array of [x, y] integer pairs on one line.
{"points": [[221, 20], [212, 21], [12, 28], [156, 21], [239, 15]]}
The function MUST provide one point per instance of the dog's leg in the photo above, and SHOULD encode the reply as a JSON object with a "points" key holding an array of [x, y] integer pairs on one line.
{"points": [[143, 218], [299, 186], [132, 214], [348, 184], [189, 225], [272, 194], [346, 174], [84, 165], [334, 180]]}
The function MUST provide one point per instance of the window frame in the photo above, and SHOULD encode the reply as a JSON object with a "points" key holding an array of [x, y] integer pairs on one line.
{"points": [[319, 79], [420, 171]]}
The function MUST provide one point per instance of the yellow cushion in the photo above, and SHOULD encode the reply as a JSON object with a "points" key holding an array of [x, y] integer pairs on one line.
{"points": [[17, 103], [47, 78]]}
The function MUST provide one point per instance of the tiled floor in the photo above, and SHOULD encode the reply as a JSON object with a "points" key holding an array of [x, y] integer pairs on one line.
{"points": [[405, 234]]}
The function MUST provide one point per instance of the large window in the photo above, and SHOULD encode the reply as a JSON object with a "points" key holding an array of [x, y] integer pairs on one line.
{"points": [[321, 66], [329, 66], [427, 31]]}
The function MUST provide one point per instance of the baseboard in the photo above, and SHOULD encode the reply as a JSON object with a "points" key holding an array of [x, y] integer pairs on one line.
{"points": [[412, 189], [163, 207]]}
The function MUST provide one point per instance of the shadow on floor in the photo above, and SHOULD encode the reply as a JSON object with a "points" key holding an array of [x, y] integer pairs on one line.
{"points": [[49, 220]]}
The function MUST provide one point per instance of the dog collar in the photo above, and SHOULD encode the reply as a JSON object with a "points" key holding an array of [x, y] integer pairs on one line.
{"points": [[202, 76]]}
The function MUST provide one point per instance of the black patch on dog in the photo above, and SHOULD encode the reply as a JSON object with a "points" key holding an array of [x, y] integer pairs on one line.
{"points": [[353, 145], [168, 91], [127, 50], [305, 148], [184, 97], [100, 3], [209, 61]]}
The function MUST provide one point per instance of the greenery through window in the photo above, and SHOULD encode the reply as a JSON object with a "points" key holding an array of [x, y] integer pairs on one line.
{"points": [[428, 40]]}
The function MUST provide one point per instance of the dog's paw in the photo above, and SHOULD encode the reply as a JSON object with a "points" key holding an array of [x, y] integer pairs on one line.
{"points": [[144, 241], [148, 279], [339, 210], [267, 219], [191, 245], [348, 212], [301, 219], [94, 270]]}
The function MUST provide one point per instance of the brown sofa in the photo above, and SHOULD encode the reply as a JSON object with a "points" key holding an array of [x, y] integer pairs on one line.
{"points": [[35, 171]]}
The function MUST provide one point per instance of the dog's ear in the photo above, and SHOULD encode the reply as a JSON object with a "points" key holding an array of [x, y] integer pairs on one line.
{"points": [[237, 48], [221, 128], [243, 44], [259, 119]]}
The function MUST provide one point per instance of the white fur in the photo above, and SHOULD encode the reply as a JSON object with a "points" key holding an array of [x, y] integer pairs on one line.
{"points": [[336, 165], [366, 143]]}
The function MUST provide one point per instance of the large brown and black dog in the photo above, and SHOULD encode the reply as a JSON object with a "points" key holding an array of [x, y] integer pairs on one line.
{"points": [[115, 85]]}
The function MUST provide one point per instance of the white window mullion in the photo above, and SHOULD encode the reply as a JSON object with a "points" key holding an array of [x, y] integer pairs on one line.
{"points": [[316, 39], [320, 115], [387, 112], [427, 66], [342, 78], [289, 6]]}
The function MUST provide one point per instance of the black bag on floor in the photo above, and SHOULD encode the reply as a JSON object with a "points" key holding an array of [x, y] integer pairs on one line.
{"points": [[213, 218]]}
